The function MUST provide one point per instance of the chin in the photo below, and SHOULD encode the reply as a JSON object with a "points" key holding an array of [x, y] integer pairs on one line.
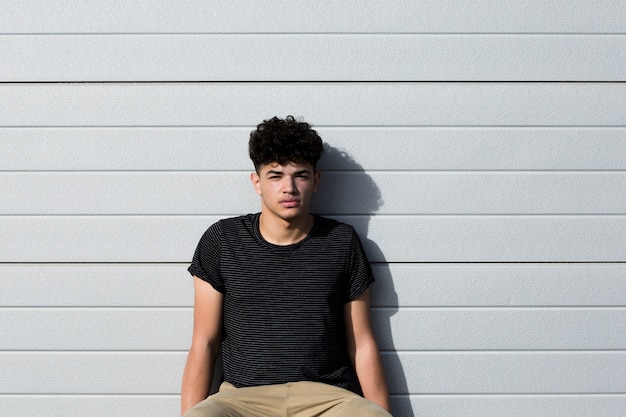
{"points": [[293, 214]]}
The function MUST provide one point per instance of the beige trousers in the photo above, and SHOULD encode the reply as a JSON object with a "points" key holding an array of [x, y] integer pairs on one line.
{"points": [[296, 399]]}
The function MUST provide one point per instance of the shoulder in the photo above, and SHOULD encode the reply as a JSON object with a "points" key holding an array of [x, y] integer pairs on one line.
{"points": [[227, 226], [244, 221], [239, 225], [333, 228], [328, 223], [340, 234]]}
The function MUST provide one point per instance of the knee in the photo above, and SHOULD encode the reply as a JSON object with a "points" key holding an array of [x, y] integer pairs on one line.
{"points": [[209, 408]]}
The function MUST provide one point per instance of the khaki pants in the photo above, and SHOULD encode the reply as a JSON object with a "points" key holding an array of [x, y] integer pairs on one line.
{"points": [[297, 399]]}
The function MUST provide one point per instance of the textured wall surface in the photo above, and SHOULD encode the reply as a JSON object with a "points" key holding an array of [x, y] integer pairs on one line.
{"points": [[478, 147]]}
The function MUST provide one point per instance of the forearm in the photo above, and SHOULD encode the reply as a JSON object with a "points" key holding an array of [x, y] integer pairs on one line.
{"points": [[371, 376], [197, 376]]}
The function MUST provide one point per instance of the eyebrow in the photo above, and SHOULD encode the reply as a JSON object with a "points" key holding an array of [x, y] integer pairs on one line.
{"points": [[275, 172]]}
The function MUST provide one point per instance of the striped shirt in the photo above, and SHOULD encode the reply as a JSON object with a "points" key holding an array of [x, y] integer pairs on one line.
{"points": [[283, 305]]}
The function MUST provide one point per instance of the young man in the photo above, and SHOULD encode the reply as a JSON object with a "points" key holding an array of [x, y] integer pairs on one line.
{"points": [[284, 295]]}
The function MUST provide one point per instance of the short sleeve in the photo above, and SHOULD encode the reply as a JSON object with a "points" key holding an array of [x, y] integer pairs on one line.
{"points": [[361, 275], [206, 259]]}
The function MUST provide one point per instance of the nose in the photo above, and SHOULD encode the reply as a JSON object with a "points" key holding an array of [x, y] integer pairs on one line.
{"points": [[291, 187]]}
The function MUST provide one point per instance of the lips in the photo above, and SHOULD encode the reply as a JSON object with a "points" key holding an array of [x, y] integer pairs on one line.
{"points": [[290, 203]]}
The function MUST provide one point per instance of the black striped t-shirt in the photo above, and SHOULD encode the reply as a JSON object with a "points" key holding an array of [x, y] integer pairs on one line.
{"points": [[283, 305]]}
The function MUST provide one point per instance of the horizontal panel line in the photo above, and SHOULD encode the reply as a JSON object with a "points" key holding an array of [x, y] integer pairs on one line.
{"points": [[456, 263], [325, 171], [418, 128], [95, 352], [396, 308], [373, 308], [392, 395], [494, 307], [108, 263], [122, 395], [339, 215], [416, 263], [503, 351], [459, 215], [342, 215], [317, 34], [382, 351], [310, 81], [539, 394], [90, 394], [95, 394], [414, 395], [433, 126], [319, 126], [409, 395], [96, 307], [514, 394]]}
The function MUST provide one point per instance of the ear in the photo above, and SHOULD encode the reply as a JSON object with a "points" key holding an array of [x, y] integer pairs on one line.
{"points": [[316, 180], [256, 182]]}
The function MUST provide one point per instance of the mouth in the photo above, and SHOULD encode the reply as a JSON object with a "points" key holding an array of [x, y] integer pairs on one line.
{"points": [[290, 203]]}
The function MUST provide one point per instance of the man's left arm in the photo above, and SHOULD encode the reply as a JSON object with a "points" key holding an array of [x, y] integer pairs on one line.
{"points": [[363, 350]]}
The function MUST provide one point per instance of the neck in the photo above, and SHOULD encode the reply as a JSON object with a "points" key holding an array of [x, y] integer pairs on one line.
{"points": [[282, 232]]}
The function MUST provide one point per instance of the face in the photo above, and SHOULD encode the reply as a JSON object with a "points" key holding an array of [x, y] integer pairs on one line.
{"points": [[286, 190]]}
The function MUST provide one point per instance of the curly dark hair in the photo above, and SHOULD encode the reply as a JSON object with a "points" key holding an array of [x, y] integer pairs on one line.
{"points": [[283, 141]]}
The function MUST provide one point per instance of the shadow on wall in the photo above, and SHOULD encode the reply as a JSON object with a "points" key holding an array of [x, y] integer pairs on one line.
{"points": [[347, 192]]}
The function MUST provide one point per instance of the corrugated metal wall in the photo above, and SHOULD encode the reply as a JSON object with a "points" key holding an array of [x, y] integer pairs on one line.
{"points": [[479, 148]]}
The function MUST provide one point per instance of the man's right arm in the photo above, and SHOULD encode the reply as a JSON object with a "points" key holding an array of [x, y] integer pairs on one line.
{"points": [[205, 344]]}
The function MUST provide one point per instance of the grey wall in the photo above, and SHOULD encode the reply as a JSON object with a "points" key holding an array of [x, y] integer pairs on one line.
{"points": [[478, 147]]}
